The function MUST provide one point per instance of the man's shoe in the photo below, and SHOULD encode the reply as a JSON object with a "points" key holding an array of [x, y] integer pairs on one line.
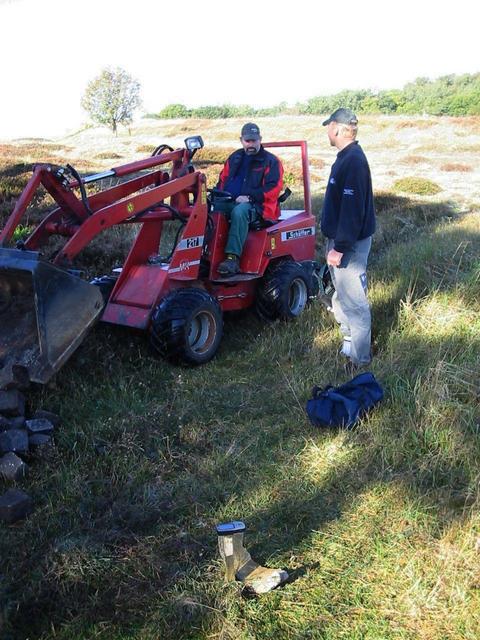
{"points": [[346, 349], [230, 266]]}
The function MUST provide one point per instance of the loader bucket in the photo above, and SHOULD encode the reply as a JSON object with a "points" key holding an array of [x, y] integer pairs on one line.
{"points": [[45, 312]]}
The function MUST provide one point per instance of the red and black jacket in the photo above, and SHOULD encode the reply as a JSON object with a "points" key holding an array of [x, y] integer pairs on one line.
{"points": [[262, 183]]}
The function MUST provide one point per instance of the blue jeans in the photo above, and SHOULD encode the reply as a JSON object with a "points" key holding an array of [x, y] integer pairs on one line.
{"points": [[349, 302], [239, 217]]}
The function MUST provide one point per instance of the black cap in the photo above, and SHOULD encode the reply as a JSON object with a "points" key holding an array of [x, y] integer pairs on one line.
{"points": [[250, 131], [342, 116]]}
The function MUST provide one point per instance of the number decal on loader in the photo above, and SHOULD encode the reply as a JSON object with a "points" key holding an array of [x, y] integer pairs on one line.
{"points": [[190, 243]]}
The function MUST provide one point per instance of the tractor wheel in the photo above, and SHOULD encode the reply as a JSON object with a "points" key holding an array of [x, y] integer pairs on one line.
{"points": [[187, 326], [284, 291]]}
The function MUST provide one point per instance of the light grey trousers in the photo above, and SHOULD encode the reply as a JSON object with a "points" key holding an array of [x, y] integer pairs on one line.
{"points": [[349, 302]]}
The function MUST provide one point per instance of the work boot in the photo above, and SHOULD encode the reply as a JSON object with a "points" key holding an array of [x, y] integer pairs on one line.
{"points": [[239, 564], [230, 266]]}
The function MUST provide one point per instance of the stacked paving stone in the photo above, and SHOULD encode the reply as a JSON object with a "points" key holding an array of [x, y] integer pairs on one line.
{"points": [[22, 440]]}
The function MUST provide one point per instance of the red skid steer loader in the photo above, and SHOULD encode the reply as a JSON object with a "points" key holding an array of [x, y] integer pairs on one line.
{"points": [[46, 308]]}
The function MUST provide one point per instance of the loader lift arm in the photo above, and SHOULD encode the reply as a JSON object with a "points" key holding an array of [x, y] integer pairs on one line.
{"points": [[109, 207], [45, 308]]}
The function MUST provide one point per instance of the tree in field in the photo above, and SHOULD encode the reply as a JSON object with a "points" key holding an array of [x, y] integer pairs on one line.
{"points": [[111, 98]]}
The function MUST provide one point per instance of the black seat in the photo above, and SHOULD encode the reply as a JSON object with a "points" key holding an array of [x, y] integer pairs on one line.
{"points": [[261, 223]]}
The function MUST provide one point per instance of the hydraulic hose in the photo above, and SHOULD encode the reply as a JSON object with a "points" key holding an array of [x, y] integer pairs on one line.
{"points": [[83, 193]]}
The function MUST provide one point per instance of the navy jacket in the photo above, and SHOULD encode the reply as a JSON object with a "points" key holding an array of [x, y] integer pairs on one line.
{"points": [[348, 212], [263, 181]]}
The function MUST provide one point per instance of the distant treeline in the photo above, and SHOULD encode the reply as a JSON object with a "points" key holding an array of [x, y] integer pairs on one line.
{"points": [[453, 95]]}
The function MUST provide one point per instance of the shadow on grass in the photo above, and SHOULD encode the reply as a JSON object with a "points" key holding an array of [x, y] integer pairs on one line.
{"points": [[15, 170]]}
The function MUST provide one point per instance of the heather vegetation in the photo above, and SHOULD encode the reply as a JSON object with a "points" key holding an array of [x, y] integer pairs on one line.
{"points": [[419, 186]]}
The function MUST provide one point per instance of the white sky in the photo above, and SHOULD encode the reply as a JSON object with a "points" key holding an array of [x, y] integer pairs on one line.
{"points": [[195, 52]]}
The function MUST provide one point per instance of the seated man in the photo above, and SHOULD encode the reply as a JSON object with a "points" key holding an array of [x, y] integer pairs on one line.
{"points": [[254, 177]]}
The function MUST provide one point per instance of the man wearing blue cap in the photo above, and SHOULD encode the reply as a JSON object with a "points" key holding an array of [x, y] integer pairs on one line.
{"points": [[348, 223]]}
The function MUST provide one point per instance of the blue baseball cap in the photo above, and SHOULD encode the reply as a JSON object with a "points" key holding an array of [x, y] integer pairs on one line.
{"points": [[342, 116]]}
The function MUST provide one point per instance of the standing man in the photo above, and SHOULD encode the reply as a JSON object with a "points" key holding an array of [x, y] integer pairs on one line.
{"points": [[254, 177], [348, 223]]}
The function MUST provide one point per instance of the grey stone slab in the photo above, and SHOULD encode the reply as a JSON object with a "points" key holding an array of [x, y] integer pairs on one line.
{"points": [[12, 467], [39, 425], [14, 376], [15, 440], [11, 423], [43, 414], [12, 403], [17, 423], [15, 505]]}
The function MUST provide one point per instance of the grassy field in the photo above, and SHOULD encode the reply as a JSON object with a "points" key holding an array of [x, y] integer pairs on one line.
{"points": [[379, 527]]}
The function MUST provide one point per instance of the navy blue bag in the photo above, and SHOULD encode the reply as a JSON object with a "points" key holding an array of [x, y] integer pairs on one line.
{"points": [[343, 406]]}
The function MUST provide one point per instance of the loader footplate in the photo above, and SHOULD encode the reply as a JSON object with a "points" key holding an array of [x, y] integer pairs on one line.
{"points": [[237, 277]]}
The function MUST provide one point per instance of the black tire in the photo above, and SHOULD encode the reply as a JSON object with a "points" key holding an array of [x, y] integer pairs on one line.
{"points": [[187, 326], [284, 291]]}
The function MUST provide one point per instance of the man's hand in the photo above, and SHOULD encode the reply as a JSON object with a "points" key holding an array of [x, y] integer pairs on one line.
{"points": [[241, 199], [334, 258]]}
